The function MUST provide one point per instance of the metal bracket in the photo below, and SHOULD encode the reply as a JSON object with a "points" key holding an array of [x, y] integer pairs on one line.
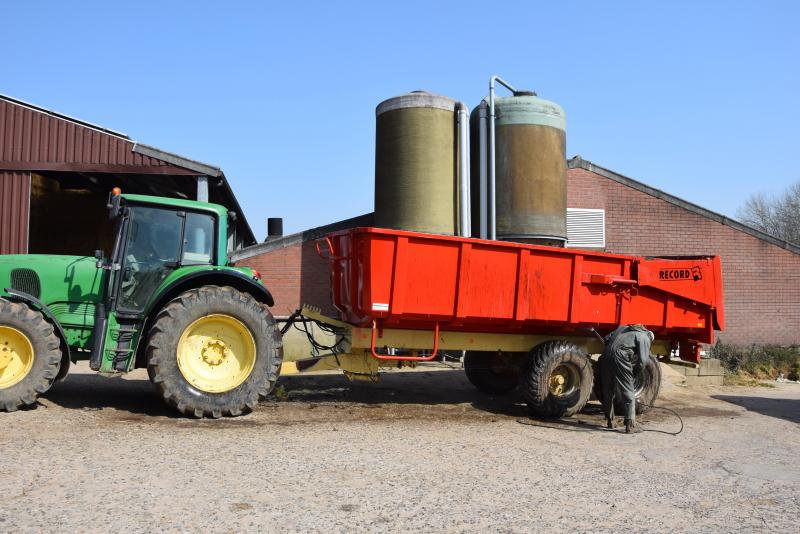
{"points": [[331, 256], [410, 358]]}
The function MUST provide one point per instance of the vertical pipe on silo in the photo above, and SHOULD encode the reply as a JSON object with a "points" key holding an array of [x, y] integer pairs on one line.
{"points": [[492, 181], [464, 171], [482, 166]]}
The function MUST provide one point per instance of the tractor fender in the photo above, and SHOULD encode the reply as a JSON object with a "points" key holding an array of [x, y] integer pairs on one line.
{"points": [[211, 276], [216, 277], [37, 304]]}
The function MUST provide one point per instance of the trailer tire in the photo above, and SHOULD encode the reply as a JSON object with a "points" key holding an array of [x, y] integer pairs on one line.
{"points": [[557, 379], [647, 385], [492, 373], [206, 329], [30, 355]]}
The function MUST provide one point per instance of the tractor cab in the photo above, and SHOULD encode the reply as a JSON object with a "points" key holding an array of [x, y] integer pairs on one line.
{"points": [[155, 239], [152, 240]]}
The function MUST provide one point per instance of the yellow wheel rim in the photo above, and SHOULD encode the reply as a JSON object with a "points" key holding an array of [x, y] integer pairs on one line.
{"points": [[216, 353], [16, 356], [562, 380]]}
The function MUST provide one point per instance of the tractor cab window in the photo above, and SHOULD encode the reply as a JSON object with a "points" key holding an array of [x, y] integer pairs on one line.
{"points": [[198, 240], [152, 249]]}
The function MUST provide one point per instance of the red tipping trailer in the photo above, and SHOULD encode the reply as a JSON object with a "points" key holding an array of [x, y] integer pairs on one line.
{"points": [[407, 280]]}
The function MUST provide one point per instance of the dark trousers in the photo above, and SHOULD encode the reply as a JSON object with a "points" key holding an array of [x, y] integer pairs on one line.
{"points": [[616, 373]]}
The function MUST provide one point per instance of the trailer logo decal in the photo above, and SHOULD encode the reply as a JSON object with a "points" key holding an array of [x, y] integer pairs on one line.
{"points": [[380, 306], [680, 274]]}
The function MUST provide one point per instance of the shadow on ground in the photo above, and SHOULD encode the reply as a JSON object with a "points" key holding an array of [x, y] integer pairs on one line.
{"points": [[421, 387], [788, 409], [96, 392], [85, 391], [420, 394]]}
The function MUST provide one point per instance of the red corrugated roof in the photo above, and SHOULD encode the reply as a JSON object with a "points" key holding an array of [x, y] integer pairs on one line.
{"points": [[15, 188], [29, 137]]}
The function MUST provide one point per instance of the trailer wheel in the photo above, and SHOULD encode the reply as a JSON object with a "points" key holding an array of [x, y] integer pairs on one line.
{"points": [[30, 355], [491, 372], [647, 385], [557, 379], [214, 351]]}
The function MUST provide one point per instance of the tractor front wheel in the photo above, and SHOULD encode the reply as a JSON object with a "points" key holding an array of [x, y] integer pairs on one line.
{"points": [[214, 351], [30, 355]]}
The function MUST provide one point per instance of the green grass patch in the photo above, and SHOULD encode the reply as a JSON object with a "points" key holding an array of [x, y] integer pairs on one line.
{"points": [[737, 379]]}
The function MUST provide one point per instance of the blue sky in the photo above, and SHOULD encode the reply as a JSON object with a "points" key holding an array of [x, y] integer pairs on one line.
{"points": [[700, 99]]}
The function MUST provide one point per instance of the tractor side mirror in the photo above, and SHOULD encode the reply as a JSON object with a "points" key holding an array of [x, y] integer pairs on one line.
{"points": [[98, 255]]}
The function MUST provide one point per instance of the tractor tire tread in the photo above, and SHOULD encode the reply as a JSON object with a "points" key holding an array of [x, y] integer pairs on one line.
{"points": [[162, 361], [537, 369], [47, 355]]}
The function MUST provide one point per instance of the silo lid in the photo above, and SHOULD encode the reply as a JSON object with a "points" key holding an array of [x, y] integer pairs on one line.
{"points": [[416, 99], [528, 109]]}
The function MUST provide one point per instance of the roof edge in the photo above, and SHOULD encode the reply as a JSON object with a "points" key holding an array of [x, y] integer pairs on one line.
{"points": [[201, 168], [62, 116], [577, 162], [366, 219], [175, 159]]}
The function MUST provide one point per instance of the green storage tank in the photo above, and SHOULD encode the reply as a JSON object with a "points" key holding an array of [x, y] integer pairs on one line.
{"points": [[416, 163], [531, 169]]}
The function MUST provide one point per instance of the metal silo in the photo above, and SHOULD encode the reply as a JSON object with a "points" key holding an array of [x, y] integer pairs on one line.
{"points": [[525, 198], [417, 161]]}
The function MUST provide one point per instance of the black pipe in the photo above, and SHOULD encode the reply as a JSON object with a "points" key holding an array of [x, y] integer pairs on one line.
{"points": [[274, 227]]}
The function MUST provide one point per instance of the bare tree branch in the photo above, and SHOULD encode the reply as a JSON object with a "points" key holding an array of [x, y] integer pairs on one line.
{"points": [[776, 215]]}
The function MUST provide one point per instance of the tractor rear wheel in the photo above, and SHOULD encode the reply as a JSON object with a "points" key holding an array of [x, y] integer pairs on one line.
{"points": [[557, 379], [491, 372], [30, 355], [214, 351]]}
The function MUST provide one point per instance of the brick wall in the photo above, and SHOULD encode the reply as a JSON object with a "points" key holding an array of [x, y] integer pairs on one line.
{"points": [[295, 275], [761, 280]]}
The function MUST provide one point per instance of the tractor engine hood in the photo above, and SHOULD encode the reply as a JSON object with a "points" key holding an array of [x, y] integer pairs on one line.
{"points": [[52, 279]]}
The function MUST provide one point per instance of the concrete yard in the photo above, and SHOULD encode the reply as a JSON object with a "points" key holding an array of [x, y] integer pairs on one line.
{"points": [[422, 451]]}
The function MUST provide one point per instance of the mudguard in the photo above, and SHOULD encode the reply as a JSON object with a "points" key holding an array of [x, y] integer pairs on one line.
{"points": [[212, 276]]}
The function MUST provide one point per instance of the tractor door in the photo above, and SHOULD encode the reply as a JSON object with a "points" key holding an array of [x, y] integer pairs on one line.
{"points": [[151, 250], [152, 241], [148, 248]]}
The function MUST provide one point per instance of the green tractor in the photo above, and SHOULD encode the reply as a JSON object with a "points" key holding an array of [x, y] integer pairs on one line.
{"points": [[166, 299]]}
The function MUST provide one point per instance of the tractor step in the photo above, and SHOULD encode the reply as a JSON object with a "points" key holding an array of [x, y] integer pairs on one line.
{"points": [[121, 357]]}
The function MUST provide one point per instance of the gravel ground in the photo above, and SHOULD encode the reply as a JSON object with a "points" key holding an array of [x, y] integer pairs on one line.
{"points": [[421, 451]]}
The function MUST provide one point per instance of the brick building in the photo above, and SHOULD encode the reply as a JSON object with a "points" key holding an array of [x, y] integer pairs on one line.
{"points": [[608, 212]]}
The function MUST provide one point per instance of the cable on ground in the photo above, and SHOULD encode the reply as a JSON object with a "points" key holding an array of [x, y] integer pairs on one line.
{"points": [[577, 423], [673, 412]]}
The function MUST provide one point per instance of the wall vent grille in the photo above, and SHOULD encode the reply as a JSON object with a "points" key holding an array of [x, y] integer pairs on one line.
{"points": [[586, 228]]}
